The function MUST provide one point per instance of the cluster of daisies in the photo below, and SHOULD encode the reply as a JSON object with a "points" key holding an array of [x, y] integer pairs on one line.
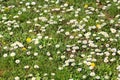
{"points": [[60, 40]]}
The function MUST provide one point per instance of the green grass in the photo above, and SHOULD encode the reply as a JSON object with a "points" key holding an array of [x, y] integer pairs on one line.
{"points": [[58, 21]]}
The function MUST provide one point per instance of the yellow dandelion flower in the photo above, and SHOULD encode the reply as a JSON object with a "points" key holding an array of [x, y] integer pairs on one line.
{"points": [[98, 26], [28, 40], [92, 64], [86, 6], [4, 42], [24, 49], [6, 9]]}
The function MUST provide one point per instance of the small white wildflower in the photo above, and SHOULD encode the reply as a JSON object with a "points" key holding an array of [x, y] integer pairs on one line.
{"points": [[87, 35], [111, 21], [11, 33], [36, 66], [79, 69], [28, 53], [67, 33], [118, 52], [80, 35], [26, 67], [84, 41], [45, 74], [27, 4], [106, 59], [73, 64], [119, 75], [72, 55], [63, 56], [84, 76], [71, 37], [40, 46], [46, 37], [17, 61], [113, 30], [1, 36], [17, 78], [60, 68], [33, 78], [91, 67], [104, 34], [12, 54], [53, 74], [82, 55], [97, 77], [114, 0], [50, 58], [65, 4], [30, 75], [92, 74], [57, 46], [35, 54], [5, 55], [46, 0], [33, 3], [118, 68], [106, 77], [48, 53]]}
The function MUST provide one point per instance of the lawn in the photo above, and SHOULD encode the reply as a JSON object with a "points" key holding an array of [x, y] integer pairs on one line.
{"points": [[59, 39]]}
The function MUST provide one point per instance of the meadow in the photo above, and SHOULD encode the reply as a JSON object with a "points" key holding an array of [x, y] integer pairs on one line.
{"points": [[59, 39]]}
